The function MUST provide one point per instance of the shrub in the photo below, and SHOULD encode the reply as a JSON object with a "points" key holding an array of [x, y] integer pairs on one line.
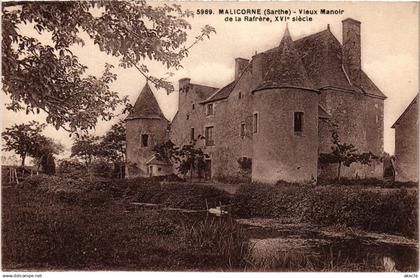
{"points": [[34, 181], [177, 195], [71, 167], [368, 182]]}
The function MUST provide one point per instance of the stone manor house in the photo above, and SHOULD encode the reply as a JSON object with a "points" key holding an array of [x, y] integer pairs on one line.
{"points": [[275, 115]]}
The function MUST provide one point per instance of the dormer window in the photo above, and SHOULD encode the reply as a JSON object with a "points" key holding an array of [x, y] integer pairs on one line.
{"points": [[209, 109]]}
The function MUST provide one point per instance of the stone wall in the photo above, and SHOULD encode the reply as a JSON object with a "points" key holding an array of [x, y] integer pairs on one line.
{"points": [[278, 152], [229, 144], [137, 155], [360, 122]]}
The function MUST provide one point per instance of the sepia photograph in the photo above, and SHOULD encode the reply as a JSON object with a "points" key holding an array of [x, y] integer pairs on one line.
{"points": [[171, 136]]}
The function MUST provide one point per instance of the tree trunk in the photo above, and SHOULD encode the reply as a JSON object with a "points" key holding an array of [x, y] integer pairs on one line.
{"points": [[191, 172], [339, 171], [23, 159]]}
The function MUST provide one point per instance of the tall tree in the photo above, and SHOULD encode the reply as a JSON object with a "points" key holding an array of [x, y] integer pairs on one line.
{"points": [[113, 146], [38, 76], [44, 153], [23, 139], [189, 158], [86, 147]]}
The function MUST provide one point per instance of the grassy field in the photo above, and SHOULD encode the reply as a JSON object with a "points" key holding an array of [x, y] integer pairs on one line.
{"points": [[42, 231]]}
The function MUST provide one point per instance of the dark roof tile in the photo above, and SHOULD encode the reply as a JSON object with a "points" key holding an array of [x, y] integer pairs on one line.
{"points": [[284, 67], [369, 87], [413, 102], [221, 93]]}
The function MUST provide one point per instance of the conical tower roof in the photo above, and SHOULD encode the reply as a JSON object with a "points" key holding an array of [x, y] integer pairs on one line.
{"points": [[284, 66], [146, 106]]}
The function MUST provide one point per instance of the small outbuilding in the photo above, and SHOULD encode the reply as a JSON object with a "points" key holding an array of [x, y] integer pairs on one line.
{"points": [[156, 167]]}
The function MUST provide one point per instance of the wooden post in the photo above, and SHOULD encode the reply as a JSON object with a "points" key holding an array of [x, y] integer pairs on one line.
{"points": [[16, 176]]}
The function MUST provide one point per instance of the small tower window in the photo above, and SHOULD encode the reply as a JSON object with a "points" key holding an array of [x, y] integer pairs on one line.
{"points": [[255, 123], [145, 140], [298, 123], [210, 109]]}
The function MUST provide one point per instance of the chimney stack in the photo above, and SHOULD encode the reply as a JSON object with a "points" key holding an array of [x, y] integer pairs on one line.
{"points": [[352, 50], [240, 65]]}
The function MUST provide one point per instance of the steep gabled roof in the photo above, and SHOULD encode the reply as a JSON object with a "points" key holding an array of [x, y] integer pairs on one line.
{"points": [[283, 67], [225, 91], [369, 87], [146, 106], [321, 54], [414, 101], [203, 92], [311, 62]]}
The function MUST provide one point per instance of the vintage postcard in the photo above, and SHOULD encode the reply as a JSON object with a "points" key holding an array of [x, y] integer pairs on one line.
{"points": [[209, 137]]}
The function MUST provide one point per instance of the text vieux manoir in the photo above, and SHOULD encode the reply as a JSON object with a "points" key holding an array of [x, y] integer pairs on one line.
{"points": [[277, 11]]}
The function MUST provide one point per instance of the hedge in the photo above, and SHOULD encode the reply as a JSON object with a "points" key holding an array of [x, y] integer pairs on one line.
{"points": [[392, 211]]}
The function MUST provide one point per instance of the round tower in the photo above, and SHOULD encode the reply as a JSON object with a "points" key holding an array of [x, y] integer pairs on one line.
{"points": [[285, 119], [146, 126]]}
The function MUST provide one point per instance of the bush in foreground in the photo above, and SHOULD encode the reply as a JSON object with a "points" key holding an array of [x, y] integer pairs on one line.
{"points": [[176, 195], [391, 211]]}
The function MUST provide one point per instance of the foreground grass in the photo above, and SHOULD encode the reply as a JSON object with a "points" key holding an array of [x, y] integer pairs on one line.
{"points": [[62, 231], [58, 223]]}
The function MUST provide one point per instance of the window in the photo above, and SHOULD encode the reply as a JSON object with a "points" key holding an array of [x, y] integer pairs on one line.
{"points": [[255, 123], [242, 129], [209, 136], [240, 95], [193, 106], [192, 134], [209, 110], [159, 169], [188, 116], [298, 123], [144, 140]]}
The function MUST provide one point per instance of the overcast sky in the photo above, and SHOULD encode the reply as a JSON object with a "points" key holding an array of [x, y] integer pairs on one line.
{"points": [[390, 54]]}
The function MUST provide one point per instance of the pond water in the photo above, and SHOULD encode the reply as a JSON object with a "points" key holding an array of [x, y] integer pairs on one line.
{"points": [[304, 247]]}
